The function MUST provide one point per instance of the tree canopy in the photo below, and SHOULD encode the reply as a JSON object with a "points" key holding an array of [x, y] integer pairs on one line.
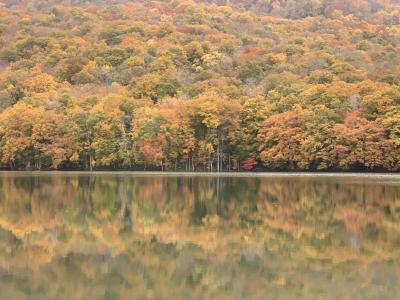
{"points": [[200, 85]]}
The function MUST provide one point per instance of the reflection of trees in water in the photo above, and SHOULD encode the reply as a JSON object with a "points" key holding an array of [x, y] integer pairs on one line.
{"points": [[319, 207], [84, 226], [126, 196], [86, 185], [288, 199]]}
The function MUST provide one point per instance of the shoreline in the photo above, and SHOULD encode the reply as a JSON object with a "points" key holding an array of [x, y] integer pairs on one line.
{"points": [[214, 174]]}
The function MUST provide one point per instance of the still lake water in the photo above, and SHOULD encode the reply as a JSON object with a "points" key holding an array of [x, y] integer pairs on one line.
{"points": [[152, 236]]}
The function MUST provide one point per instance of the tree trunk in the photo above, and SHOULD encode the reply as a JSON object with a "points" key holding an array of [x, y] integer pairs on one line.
{"points": [[218, 156], [90, 162]]}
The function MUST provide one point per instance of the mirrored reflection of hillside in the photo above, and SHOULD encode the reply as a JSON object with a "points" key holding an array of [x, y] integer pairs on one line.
{"points": [[108, 236]]}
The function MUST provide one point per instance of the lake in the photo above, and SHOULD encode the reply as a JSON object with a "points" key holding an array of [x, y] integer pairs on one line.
{"points": [[187, 236]]}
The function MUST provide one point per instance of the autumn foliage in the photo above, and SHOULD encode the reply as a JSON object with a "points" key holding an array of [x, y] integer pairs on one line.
{"points": [[249, 164], [200, 85]]}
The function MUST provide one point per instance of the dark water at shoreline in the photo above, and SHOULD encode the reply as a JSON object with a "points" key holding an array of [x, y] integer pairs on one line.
{"points": [[153, 236]]}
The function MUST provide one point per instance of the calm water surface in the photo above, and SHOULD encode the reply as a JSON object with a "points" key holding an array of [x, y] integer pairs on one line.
{"points": [[137, 236]]}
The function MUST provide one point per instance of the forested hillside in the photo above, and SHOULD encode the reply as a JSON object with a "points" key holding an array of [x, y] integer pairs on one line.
{"points": [[200, 85]]}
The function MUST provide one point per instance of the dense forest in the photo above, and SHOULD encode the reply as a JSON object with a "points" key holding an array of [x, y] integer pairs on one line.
{"points": [[218, 85]]}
